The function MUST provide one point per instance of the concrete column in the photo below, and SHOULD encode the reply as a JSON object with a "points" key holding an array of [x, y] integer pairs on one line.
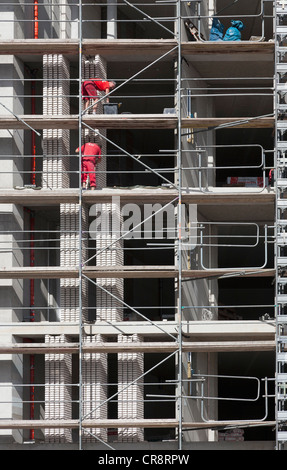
{"points": [[111, 20], [11, 225]]}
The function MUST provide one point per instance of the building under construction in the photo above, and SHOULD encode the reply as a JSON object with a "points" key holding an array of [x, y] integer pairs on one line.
{"points": [[148, 313]]}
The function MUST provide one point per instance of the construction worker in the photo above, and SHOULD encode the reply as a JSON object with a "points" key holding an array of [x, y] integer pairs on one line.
{"points": [[90, 90], [91, 155]]}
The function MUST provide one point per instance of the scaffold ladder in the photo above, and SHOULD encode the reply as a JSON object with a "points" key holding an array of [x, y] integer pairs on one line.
{"points": [[280, 176]]}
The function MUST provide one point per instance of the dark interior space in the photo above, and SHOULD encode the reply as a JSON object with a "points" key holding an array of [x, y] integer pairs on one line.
{"points": [[246, 245], [244, 153], [132, 21], [162, 370], [146, 159], [143, 87], [243, 298], [153, 299], [248, 370]]}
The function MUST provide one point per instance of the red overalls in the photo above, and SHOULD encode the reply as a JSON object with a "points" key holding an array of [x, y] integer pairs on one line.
{"points": [[90, 87], [91, 155]]}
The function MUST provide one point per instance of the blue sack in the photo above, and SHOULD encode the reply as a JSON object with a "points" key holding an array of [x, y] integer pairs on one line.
{"points": [[233, 33], [216, 32]]}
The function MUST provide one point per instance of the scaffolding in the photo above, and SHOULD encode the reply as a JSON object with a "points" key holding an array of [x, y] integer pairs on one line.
{"points": [[115, 325]]}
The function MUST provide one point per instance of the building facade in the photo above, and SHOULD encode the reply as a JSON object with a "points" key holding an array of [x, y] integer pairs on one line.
{"points": [[148, 313]]}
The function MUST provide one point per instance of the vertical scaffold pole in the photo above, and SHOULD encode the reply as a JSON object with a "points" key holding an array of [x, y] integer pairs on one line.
{"points": [[179, 254], [80, 32], [280, 183]]}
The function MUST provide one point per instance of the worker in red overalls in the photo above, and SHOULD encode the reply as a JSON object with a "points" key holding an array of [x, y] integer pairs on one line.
{"points": [[90, 90], [91, 155]]}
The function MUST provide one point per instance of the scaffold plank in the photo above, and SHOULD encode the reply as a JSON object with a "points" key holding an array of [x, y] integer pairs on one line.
{"points": [[137, 347], [120, 121], [39, 46], [130, 48], [39, 197], [214, 196], [94, 272], [220, 48], [120, 423], [137, 49], [48, 272], [129, 121], [39, 122], [242, 122], [139, 272]]}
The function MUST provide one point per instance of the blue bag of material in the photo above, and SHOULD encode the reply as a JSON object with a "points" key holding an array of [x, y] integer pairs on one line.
{"points": [[233, 33], [216, 32]]}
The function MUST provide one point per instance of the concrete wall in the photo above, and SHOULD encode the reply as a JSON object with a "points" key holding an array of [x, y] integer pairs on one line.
{"points": [[197, 150], [11, 221], [198, 299], [193, 104], [11, 300], [11, 217], [198, 296]]}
